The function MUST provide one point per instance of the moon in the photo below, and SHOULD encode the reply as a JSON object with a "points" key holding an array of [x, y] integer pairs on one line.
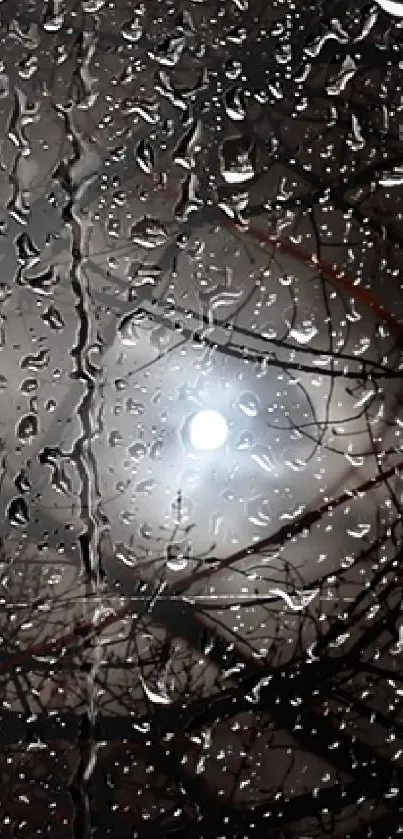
{"points": [[391, 7]]}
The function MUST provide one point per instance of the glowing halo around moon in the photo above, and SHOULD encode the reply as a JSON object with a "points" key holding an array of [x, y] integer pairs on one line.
{"points": [[208, 431], [392, 8]]}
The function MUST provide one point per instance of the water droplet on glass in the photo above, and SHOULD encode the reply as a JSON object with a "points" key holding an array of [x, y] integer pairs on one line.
{"points": [[17, 512], [93, 6], [36, 362], [248, 404], [146, 487], [235, 104], [148, 233], [156, 450], [115, 439], [132, 30], [28, 428], [145, 157], [258, 511], [22, 482], [29, 386], [176, 557], [53, 319], [138, 450], [360, 531], [160, 698], [236, 160], [244, 441], [134, 408], [304, 333], [125, 555], [262, 457]]}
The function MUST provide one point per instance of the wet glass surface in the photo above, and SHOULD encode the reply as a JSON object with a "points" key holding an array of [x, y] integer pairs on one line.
{"points": [[201, 415]]}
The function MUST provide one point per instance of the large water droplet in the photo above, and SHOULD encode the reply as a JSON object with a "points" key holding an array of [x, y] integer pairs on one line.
{"points": [[36, 362], [248, 404], [176, 556], [132, 30], [115, 439], [29, 386], [146, 487], [235, 104], [145, 158], [125, 555], [304, 333], [262, 457], [236, 160], [134, 408], [53, 318], [28, 428], [148, 233], [156, 450], [22, 482], [138, 450], [17, 512]]}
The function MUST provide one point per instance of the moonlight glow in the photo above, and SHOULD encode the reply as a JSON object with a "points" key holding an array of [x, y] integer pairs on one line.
{"points": [[391, 7], [208, 430]]}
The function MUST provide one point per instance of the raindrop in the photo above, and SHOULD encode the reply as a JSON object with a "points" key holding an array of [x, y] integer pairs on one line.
{"points": [[135, 408], [127, 516], [148, 233], [258, 512], [145, 158], [36, 362], [233, 69], [394, 178], [339, 83], [305, 333], [28, 66], [248, 404], [29, 386], [235, 105], [4, 85], [188, 146], [156, 698], [53, 319], [299, 601], [236, 160], [42, 283], [54, 16], [27, 252], [261, 456], [244, 441], [17, 512], [61, 481], [27, 428], [146, 487], [93, 6], [115, 439], [177, 557], [125, 555], [156, 450], [22, 482], [128, 333], [360, 531], [132, 30], [237, 35], [169, 51], [138, 450]]}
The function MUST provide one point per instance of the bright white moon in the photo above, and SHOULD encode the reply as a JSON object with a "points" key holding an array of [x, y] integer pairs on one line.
{"points": [[391, 7], [208, 431]]}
